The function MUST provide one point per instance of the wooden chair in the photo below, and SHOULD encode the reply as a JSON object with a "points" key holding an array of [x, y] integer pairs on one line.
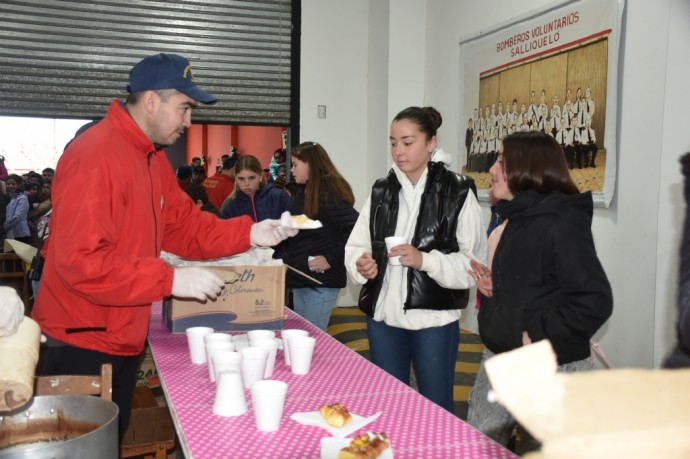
{"points": [[13, 273], [101, 385], [150, 433]]}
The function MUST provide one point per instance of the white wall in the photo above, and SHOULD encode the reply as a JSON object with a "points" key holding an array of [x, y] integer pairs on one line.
{"points": [[637, 237]]}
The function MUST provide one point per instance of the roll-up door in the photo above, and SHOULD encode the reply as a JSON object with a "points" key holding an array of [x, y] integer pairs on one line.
{"points": [[62, 58]]}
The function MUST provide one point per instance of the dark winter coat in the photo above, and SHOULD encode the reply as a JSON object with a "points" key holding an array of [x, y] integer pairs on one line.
{"points": [[338, 219], [546, 276]]}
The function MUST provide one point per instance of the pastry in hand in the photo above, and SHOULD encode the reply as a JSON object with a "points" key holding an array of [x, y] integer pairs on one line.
{"points": [[301, 219], [335, 415], [365, 446]]}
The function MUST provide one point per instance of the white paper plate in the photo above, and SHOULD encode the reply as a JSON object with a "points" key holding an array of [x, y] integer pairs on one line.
{"points": [[314, 418], [287, 221], [330, 446]]}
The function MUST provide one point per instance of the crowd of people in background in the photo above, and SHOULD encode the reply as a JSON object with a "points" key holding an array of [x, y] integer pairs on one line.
{"points": [[25, 201], [570, 124]]}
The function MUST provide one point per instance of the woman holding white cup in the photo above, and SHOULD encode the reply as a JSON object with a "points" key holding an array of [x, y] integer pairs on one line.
{"points": [[413, 310]]}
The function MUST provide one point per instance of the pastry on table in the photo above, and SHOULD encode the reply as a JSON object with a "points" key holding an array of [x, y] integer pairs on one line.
{"points": [[335, 414], [365, 446]]}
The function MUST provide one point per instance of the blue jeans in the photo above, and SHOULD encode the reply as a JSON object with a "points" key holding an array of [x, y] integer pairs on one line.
{"points": [[315, 304], [492, 419], [433, 352]]}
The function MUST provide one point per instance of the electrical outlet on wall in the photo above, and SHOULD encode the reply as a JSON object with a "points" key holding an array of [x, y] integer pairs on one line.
{"points": [[321, 111]]}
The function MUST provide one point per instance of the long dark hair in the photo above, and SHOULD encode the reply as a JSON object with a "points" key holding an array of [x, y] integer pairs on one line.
{"points": [[534, 160], [323, 178]]}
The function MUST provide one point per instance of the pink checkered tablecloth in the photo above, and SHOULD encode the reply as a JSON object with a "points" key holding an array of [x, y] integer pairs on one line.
{"points": [[417, 428]]}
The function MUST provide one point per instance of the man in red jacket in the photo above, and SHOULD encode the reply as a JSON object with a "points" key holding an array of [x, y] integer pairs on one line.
{"points": [[116, 205], [221, 184]]}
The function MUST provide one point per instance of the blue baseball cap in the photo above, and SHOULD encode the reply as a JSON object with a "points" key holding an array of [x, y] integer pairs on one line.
{"points": [[167, 71]]}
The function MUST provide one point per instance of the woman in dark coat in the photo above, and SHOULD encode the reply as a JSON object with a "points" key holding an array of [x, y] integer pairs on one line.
{"points": [[545, 281]]}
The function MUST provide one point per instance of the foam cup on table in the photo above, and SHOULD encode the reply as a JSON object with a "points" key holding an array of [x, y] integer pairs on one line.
{"points": [[391, 242], [272, 347], [301, 350], [240, 341], [216, 337], [254, 360], [230, 399], [226, 360], [268, 400], [212, 348], [286, 334], [255, 335], [195, 340]]}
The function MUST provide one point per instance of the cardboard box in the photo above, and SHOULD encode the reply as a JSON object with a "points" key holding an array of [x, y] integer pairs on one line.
{"points": [[253, 298], [147, 368], [623, 413]]}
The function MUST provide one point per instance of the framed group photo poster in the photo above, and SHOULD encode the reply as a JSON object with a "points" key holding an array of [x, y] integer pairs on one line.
{"points": [[555, 71]]}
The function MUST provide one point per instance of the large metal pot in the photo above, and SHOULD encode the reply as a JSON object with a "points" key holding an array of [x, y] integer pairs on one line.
{"points": [[60, 427]]}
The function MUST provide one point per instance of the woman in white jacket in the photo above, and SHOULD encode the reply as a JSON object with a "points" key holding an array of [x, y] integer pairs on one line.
{"points": [[414, 309]]}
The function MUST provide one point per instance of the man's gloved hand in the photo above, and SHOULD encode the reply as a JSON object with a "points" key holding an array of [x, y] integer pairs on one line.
{"points": [[268, 233], [11, 311], [199, 283]]}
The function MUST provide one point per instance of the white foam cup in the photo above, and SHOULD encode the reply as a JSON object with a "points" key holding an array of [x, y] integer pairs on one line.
{"points": [[230, 399], [286, 334], [301, 353], [226, 360], [214, 347], [391, 242], [255, 335], [240, 341], [195, 340], [272, 347], [268, 400], [254, 361], [217, 337]]}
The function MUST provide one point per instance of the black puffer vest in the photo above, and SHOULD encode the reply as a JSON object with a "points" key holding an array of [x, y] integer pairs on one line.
{"points": [[442, 200]]}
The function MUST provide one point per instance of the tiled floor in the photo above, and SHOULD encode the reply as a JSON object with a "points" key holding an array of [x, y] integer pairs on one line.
{"points": [[349, 327]]}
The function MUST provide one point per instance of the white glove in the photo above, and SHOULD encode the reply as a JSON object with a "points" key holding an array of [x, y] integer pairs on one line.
{"points": [[268, 233], [11, 311], [199, 283]]}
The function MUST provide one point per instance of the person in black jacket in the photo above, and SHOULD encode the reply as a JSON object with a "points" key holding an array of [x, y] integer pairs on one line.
{"points": [[414, 307], [680, 355], [546, 281], [327, 197]]}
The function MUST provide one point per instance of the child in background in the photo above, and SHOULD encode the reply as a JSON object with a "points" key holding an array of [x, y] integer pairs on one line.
{"points": [[277, 162], [254, 197]]}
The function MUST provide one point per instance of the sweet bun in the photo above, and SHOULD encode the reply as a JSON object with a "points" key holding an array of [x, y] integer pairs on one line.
{"points": [[365, 446], [335, 414]]}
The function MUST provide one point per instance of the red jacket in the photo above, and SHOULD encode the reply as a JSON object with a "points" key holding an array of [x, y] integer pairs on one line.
{"points": [[218, 187], [116, 205]]}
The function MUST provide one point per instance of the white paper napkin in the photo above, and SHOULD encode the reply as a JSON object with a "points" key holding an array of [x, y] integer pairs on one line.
{"points": [[314, 418], [330, 447], [287, 221]]}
